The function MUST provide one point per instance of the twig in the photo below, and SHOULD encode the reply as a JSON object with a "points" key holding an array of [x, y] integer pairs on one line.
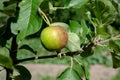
{"points": [[44, 16], [48, 56], [72, 54], [98, 42], [33, 58]]}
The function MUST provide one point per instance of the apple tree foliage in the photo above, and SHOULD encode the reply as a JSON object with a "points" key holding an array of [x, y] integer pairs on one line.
{"points": [[93, 28]]}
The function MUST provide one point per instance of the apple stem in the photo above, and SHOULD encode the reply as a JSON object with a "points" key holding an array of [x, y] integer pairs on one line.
{"points": [[45, 18]]}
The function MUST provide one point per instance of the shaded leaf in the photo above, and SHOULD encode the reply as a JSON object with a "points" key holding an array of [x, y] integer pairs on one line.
{"points": [[10, 10], [1, 4], [24, 72], [114, 45], [116, 59], [115, 53], [69, 74], [5, 59], [87, 52], [10, 2], [73, 42], [29, 21], [2, 41], [18, 77]]}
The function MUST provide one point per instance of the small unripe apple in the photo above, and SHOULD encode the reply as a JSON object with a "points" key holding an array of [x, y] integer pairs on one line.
{"points": [[54, 38]]}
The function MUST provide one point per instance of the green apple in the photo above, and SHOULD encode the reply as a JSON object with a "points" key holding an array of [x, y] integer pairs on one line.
{"points": [[54, 38]]}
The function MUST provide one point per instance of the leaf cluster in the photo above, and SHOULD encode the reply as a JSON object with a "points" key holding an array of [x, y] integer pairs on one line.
{"points": [[90, 24]]}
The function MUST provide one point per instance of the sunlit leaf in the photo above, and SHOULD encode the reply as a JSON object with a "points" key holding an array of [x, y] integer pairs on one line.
{"points": [[75, 27], [29, 20], [77, 3], [69, 74], [73, 42]]}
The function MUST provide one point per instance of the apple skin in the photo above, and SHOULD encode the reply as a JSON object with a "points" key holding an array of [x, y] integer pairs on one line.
{"points": [[54, 38]]}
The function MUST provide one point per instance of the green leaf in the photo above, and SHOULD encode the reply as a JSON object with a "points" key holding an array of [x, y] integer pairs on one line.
{"points": [[1, 4], [73, 42], [64, 25], [112, 31], [69, 74], [5, 60], [29, 21], [27, 47], [104, 11], [104, 15], [86, 71], [101, 29], [3, 20], [116, 59], [87, 52], [81, 67], [10, 10], [24, 73], [86, 34], [77, 3], [78, 67], [114, 45], [2, 41], [18, 77], [115, 53], [84, 29], [75, 27]]}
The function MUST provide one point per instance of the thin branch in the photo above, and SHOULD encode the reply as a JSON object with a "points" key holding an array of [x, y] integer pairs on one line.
{"points": [[44, 16], [47, 56], [98, 42], [95, 43], [33, 58]]}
